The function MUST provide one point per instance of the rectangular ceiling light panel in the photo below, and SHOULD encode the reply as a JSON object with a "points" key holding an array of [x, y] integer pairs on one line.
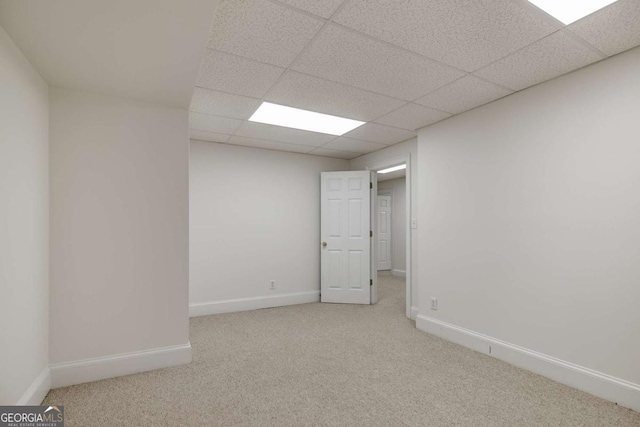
{"points": [[393, 169], [568, 11], [279, 115]]}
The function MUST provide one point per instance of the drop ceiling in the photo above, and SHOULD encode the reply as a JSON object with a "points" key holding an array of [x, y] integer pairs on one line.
{"points": [[397, 65]]}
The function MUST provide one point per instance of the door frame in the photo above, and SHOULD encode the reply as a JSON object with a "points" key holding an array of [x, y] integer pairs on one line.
{"points": [[382, 164]]}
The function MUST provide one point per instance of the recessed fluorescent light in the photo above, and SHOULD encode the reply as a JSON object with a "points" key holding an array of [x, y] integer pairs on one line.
{"points": [[279, 115], [568, 11], [394, 168]]}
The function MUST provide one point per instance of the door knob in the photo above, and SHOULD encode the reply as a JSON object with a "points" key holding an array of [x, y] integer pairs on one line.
{"points": [[324, 244]]}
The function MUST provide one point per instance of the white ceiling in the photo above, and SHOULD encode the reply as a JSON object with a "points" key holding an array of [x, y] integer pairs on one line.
{"points": [[147, 50], [398, 65], [392, 175]]}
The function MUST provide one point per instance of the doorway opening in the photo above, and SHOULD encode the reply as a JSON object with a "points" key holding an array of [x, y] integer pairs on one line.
{"points": [[393, 224]]}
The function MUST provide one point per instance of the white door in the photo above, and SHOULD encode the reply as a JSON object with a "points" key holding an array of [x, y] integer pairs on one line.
{"points": [[384, 233], [345, 233]]}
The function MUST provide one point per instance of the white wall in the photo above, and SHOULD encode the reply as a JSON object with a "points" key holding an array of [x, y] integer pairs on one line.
{"points": [[397, 189], [529, 209], [254, 217], [148, 50], [369, 161], [119, 228], [24, 228]]}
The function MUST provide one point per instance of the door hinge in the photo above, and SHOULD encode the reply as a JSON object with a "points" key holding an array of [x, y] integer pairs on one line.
{"points": [[370, 233], [371, 185], [370, 282]]}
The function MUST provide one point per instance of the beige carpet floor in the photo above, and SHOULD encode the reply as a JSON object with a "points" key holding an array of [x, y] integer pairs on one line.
{"points": [[332, 365]]}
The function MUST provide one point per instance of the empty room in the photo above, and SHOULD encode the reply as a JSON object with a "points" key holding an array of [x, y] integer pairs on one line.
{"points": [[319, 212]]}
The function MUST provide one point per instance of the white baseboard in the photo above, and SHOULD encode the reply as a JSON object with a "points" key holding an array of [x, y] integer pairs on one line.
{"points": [[245, 304], [610, 388], [100, 368], [38, 390], [398, 273], [414, 313]]}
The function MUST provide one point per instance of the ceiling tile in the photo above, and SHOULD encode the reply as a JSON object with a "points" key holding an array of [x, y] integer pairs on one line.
{"points": [[324, 8], [466, 35], [412, 117], [341, 55], [464, 94], [283, 134], [334, 153], [261, 30], [270, 145], [231, 73], [324, 96], [353, 145], [208, 136], [206, 122], [223, 104], [551, 57], [375, 132], [614, 29]]}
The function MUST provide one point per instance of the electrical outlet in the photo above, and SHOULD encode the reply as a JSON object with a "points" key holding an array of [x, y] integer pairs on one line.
{"points": [[272, 285], [434, 303]]}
